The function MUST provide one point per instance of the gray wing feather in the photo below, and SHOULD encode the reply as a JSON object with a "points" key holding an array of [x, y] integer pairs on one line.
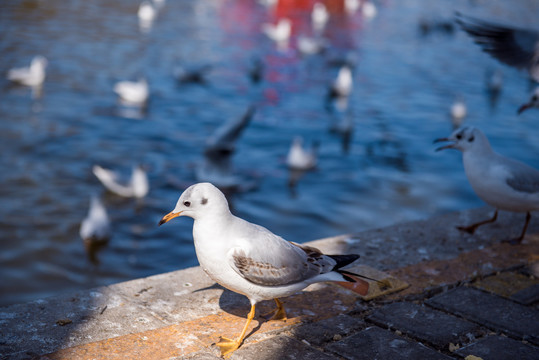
{"points": [[524, 178], [293, 265], [512, 46]]}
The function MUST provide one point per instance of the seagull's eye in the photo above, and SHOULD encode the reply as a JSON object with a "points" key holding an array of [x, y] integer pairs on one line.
{"points": [[472, 138], [187, 203], [459, 136]]}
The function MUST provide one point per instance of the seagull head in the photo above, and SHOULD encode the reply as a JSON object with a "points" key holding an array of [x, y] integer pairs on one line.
{"points": [[197, 201], [533, 102], [464, 139]]}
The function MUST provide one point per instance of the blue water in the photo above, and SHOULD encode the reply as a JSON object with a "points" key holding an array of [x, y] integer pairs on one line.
{"points": [[404, 84]]}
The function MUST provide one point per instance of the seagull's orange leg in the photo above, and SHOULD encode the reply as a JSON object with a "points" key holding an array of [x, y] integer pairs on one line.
{"points": [[228, 346], [277, 314]]}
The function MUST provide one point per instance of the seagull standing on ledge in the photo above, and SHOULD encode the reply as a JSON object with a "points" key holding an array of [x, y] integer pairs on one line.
{"points": [[501, 182], [249, 259]]}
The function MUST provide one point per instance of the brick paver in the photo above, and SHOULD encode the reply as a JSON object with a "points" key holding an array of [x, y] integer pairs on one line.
{"points": [[423, 323], [491, 311]]}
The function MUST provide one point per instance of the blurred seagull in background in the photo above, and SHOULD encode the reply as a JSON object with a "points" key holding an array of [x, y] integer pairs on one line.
{"points": [[280, 33], [501, 182], [95, 228], [217, 163], [147, 13], [458, 112], [256, 70], [133, 92], [351, 6], [96, 225], [341, 87], [513, 46], [532, 103], [137, 187], [34, 75], [319, 16], [223, 140], [192, 74], [368, 9], [299, 158], [310, 45]]}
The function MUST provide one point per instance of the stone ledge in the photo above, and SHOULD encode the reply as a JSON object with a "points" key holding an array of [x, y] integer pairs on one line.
{"points": [[182, 313]]}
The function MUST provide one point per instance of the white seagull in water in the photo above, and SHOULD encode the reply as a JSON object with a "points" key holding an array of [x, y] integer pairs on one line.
{"points": [[137, 187], [133, 92], [319, 16], [501, 182], [299, 158], [96, 225], [280, 33], [34, 75], [458, 113], [251, 260]]}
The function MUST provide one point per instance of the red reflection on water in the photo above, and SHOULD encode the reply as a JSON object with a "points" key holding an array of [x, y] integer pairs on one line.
{"points": [[241, 21]]}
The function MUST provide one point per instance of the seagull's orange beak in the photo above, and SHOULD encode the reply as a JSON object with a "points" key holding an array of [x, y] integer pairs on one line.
{"points": [[168, 217]]}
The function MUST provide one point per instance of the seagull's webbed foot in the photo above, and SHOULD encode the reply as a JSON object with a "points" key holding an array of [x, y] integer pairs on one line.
{"points": [[228, 346], [277, 314], [471, 228]]}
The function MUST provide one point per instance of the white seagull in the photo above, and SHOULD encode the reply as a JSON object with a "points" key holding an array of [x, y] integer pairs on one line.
{"points": [[96, 225], [458, 112], [147, 11], [280, 33], [513, 46], [34, 75], [368, 9], [501, 182], [251, 260], [137, 187], [133, 92], [319, 16], [299, 158], [341, 86], [533, 102], [351, 6]]}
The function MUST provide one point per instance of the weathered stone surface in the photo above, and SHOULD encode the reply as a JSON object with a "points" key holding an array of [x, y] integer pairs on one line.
{"points": [[326, 330], [378, 344], [508, 284], [500, 348], [50, 324], [491, 311], [527, 296], [279, 347], [423, 323]]}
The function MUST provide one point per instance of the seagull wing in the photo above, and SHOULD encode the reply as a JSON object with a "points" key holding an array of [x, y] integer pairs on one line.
{"points": [[523, 178], [225, 136], [510, 45], [108, 179], [273, 261]]}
